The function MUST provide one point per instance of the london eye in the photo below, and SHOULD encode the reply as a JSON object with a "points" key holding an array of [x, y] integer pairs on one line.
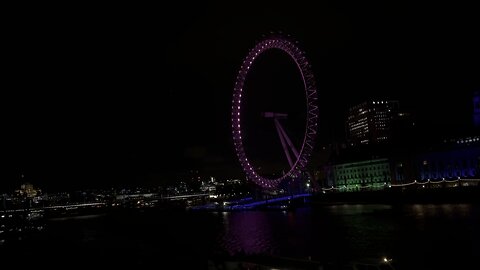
{"points": [[296, 155]]}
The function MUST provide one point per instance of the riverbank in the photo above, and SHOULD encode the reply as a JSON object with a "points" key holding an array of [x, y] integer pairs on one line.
{"points": [[401, 196]]}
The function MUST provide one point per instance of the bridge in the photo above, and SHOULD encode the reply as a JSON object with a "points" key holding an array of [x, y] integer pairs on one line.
{"points": [[249, 203], [160, 196], [75, 206], [66, 207]]}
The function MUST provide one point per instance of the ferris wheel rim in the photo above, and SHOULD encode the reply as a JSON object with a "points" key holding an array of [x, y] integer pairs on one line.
{"points": [[298, 56]]}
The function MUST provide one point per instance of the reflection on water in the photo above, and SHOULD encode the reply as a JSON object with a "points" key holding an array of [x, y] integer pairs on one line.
{"points": [[77, 217], [357, 209], [419, 236], [340, 232], [247, 232], [446, 210]]}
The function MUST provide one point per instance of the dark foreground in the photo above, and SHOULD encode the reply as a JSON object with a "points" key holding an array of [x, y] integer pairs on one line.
{"points": [[414, 236]]}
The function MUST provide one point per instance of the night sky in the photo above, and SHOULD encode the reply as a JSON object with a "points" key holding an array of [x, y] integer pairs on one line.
{"points": [[96, 96]]}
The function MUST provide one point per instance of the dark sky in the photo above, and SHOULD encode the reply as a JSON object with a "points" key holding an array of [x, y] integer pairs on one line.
{"points": [[121, 94]]}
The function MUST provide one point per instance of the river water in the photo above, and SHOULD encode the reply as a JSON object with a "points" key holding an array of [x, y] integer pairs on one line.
{"points": [[417, 236]]}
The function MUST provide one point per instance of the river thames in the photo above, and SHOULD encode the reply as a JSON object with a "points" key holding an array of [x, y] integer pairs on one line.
{"points": [[414, 236]]}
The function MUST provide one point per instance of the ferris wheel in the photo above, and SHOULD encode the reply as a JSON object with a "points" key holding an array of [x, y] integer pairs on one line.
{"points": [[297, 156]]}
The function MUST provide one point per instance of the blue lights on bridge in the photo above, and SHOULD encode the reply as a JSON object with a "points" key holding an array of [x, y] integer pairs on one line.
{"points": [[249, 203]]}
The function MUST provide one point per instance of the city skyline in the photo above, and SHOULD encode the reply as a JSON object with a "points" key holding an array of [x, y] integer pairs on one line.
{"points": [[123, 96]]}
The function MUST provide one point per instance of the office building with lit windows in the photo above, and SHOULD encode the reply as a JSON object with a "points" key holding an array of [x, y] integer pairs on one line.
{"points": [[371, 122]]}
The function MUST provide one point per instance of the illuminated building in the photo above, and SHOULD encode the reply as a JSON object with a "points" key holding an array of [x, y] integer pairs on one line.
{"points": [[355, 176], [476, 109], [371, 122], [27, 190], [459, 161]]}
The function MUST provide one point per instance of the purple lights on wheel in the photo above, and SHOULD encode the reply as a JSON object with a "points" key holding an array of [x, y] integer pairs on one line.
{"points": [[287, 46]]}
